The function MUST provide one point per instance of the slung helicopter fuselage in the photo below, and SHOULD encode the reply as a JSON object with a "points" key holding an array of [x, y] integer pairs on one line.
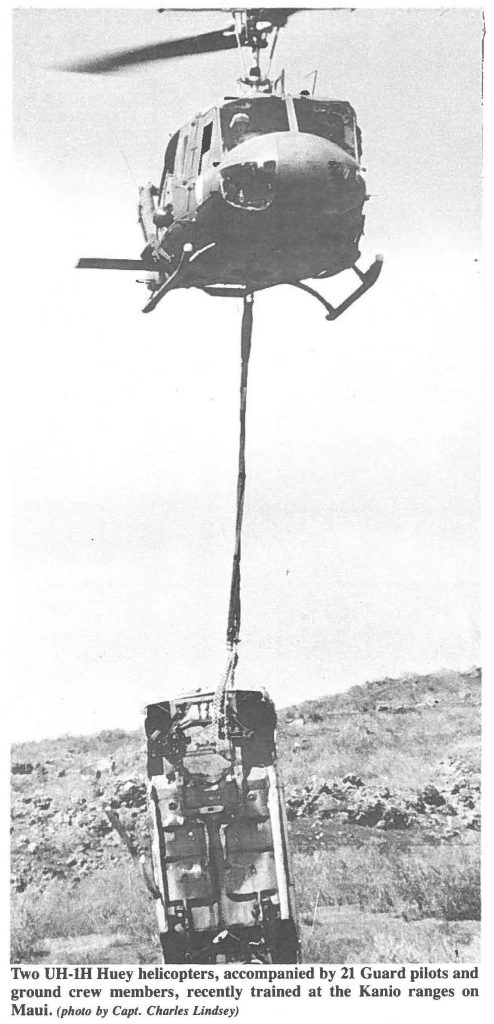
{"points": [[268, 186]]}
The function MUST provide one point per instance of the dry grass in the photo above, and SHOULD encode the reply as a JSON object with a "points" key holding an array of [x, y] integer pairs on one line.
{"points": [[354, 937], [426, 882], [430, 889], [399, 751], [111, 902], [427, 895]]}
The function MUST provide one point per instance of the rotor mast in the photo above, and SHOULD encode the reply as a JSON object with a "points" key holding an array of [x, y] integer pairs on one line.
{"points": [[253, 28]]}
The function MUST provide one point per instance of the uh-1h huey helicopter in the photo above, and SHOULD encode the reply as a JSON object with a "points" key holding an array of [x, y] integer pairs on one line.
{"points": [[263, 188]]}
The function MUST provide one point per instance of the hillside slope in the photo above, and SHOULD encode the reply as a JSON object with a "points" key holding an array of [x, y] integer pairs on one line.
{"points": [[383, 790]]}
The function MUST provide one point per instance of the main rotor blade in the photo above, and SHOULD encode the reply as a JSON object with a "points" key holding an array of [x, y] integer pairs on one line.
{"points": [[208, 42], [100, 263], [278, 16]]}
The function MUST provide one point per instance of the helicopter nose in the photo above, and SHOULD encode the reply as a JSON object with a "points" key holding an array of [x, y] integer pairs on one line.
{"points": [[315, 171], [298, 169]]}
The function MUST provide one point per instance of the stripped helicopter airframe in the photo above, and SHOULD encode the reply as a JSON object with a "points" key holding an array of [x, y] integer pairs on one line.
{"points": [[263, 188]]}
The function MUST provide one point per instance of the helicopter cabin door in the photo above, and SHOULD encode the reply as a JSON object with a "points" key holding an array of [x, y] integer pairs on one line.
{"points": [[203, 148], [174, 185], [185, 171], [189, 166], [189, 153]]}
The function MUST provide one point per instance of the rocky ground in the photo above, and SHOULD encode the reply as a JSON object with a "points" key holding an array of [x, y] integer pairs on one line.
{"points": [[54, 841], [60, 828], [452, 805], [51, 840], [395, 762]]}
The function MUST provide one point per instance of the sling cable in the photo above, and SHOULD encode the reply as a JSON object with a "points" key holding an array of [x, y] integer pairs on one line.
{"points": [[234, 609]]}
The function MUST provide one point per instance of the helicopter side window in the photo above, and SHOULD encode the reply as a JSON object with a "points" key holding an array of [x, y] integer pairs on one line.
{"points": [[181, 156], [245, 119], [326, 121], [207, 136], [170, 154]]}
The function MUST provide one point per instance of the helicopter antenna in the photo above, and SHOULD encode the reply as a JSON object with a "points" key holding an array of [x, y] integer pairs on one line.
{"points": [[313, 75], [112, 132]]}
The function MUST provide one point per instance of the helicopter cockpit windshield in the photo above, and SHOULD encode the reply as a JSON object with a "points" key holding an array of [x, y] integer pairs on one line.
{"points": [[245, 119], [330, 119]]}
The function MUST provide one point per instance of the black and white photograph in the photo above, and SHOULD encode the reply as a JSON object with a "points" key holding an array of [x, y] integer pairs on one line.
{"points": [[245, 488]]}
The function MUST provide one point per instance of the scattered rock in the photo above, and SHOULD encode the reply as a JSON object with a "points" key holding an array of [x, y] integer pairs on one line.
{"points": [[369, 811], [353, 780], [353, 801], [297, 723], [68, 836], [22, 768], [432, 796], [44, 803], [131, 793]]}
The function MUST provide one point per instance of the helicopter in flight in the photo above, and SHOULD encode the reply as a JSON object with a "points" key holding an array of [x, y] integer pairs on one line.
{"points": [[261, 189]]}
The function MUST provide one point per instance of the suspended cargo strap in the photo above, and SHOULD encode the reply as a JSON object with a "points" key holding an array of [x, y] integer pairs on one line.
{"points": [[234, 609], [233, 630], [219, 702]]}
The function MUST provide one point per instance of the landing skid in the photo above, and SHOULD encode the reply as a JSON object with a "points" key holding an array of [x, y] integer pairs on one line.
{"points": [[368, 279], [188, 256], [170, 282]]}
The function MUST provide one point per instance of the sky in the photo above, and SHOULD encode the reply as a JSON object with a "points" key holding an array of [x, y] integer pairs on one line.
{"points": [[361, 546]]}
